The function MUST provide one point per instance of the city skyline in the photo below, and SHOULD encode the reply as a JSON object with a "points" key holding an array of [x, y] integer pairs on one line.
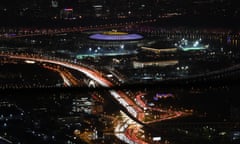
{"points": [[127, 7]]}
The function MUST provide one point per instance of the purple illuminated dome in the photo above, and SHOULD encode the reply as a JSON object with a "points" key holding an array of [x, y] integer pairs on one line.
{"points": [[115, 36]]}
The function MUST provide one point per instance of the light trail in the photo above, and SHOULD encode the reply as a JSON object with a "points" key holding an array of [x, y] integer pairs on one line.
{"points": [[133, 108], [120, 96], [130, 106], [127, 130], [168, 114], [65, 80]]}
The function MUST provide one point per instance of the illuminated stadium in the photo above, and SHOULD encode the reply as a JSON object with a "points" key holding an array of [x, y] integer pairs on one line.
{"points": [[111, 43], [115, 36]]}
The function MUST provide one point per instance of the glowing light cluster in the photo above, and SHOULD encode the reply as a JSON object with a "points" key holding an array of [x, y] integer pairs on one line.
{"points": [[185, 45]]}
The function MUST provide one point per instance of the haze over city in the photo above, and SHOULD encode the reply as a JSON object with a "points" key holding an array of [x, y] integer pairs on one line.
{"points": [[121, 72]]}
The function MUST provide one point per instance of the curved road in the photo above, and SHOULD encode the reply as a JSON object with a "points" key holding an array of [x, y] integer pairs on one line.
{"points": [[135, 109], [120, 96]]}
